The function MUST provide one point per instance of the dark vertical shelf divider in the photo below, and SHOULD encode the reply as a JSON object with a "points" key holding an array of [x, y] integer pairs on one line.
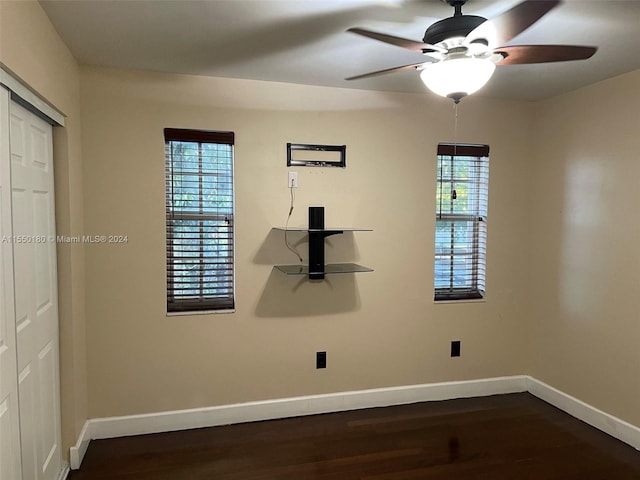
{"points": [[317, 269], [317, 234]]}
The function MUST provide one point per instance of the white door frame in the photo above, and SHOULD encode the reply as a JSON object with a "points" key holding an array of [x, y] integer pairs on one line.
{"points": [[10, 454], [28, 98]]}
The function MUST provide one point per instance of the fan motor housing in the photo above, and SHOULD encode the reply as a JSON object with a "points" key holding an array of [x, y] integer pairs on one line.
{"points": [[459, 26]]}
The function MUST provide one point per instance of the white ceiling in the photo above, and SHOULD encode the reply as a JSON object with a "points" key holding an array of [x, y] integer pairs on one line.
{"points": [[304, 41]]}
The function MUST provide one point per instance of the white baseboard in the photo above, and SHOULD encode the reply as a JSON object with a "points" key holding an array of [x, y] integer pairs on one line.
{"points": [[614, 426], [64, 473], [76, 453], [298, 406], [111, 427]]}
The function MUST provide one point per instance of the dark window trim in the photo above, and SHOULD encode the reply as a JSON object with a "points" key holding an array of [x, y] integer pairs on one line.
{"points": [[463, 149], [201, 136]]}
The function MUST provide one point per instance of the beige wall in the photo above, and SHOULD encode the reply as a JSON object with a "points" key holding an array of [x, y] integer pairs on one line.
{"points": [[585, 267], [379, 329], [30, 47]]}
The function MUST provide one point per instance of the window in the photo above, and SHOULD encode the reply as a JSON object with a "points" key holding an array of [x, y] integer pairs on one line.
{"points": [[461, 221], [200, 219]]}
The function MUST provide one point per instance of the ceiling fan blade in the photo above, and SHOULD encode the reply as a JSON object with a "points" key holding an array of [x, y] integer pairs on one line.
{"points": [[398, 41], [387, 70], [523, 54], [517, 20]]}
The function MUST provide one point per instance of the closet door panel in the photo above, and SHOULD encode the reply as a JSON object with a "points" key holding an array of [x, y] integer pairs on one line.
{"points": [[35, 290]]}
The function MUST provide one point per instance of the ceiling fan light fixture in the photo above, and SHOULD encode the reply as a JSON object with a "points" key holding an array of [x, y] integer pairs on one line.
{"points": [[457, 77]]}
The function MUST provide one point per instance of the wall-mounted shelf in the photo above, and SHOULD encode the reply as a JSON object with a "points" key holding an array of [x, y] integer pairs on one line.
{"points": [[317, 269], [329, 268], [331, 231]]}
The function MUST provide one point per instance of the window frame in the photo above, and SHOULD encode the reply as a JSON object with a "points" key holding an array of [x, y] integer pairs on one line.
{"points": [[201, 303], [475, 274]]}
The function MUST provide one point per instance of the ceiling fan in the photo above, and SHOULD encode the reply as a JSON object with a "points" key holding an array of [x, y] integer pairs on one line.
{"points": [[462, 51]]}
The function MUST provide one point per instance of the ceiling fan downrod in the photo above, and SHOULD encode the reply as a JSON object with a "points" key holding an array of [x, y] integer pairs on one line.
{"points": [[457, 5], [457, 26]]}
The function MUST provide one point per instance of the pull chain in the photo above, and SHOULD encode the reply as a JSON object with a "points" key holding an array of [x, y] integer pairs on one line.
{"points": [[455, 127], [455, 143], [454, 195]]}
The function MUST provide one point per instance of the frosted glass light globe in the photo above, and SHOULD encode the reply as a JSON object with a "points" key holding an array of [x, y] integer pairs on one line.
{"points": [[457, 77]]}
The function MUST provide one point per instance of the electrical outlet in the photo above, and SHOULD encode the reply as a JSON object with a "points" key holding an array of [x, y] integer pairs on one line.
{"points": [[293, 180], [321, 359], [455, 348]]}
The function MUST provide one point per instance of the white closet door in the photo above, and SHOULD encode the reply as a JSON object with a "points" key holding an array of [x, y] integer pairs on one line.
{"points": [[35, 285], [9, 411]]}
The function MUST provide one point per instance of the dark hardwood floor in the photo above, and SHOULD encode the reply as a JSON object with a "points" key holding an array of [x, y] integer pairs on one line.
{"points": [[515, 437]]}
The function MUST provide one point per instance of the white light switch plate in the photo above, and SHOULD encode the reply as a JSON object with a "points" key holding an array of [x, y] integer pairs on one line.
{"points": [[293, 180]]}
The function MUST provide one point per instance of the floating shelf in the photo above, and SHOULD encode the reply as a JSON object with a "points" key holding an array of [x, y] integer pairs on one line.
{"points": [[317, 269], [329, 268], [334, 230]]}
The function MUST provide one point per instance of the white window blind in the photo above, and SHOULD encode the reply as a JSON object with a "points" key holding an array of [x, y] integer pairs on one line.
{"points": [[200, 220], [461, 221]]}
